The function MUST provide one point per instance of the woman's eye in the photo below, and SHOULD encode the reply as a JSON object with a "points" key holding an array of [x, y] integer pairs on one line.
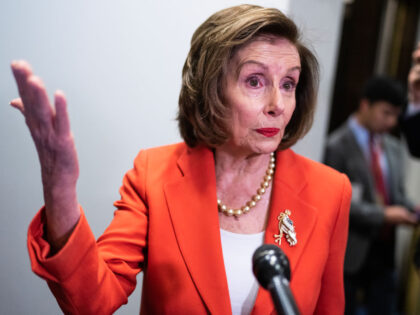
{"points": [[289, 85], [254, 82]]}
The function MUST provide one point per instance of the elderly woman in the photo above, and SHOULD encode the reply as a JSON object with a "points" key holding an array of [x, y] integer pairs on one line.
{"points": [[191, 214]]}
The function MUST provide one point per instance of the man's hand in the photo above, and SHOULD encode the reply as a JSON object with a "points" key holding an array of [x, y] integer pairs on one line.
{"points": [[399, 215]]}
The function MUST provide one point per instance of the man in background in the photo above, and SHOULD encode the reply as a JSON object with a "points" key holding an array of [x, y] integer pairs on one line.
{"points": [[363, 149]]}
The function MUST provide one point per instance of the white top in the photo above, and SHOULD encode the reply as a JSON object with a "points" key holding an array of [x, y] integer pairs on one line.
{"points": [[237, 254]]}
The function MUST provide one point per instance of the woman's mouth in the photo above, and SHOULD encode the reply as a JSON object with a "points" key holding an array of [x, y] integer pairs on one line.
{"points": [[268, 132]]}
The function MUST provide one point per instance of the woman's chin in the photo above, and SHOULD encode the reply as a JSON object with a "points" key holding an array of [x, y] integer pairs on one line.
{"points": [[266, 148]]}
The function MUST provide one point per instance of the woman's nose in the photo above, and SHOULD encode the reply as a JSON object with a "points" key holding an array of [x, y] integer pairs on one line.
{"points": [[275, 104]]}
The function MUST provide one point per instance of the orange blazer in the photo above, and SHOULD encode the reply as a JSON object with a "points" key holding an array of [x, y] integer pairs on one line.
{"points": [[166, 224]]}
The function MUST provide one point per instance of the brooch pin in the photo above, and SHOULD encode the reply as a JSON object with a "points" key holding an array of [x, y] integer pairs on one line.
{"points": [[286, 226]]}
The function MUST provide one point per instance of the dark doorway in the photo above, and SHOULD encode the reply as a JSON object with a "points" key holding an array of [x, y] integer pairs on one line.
{"points": [[378, 37]]}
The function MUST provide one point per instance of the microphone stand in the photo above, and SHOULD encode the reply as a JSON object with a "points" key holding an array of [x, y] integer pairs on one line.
{"points": [[282, 296], [271, 268]]}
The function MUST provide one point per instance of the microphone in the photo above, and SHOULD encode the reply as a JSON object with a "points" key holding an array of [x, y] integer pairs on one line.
{"points": [[271, 268]]}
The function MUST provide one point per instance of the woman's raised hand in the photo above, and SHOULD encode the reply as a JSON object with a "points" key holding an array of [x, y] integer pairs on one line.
{"points": [[50, 130]]}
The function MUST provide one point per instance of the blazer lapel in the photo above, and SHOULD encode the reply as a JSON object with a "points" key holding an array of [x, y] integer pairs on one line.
{"points": [[192, 203], [289, 180]]}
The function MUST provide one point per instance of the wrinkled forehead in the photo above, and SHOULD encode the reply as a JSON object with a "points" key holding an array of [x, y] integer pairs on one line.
{"points": [[268, 49], [267, 38]]}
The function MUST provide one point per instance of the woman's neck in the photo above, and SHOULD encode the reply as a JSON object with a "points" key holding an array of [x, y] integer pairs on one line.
{"points": [[238, 177], [238, 162]]}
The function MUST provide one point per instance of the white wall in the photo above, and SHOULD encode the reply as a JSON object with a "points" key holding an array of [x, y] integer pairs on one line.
{"points": [[119, 62], [320, 22]]}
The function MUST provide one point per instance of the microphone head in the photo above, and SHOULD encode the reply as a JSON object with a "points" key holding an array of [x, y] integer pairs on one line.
{"points": [[269, 261]]}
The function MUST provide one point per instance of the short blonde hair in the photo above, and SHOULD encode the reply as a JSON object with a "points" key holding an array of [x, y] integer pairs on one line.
{"points": [[203, 117]]}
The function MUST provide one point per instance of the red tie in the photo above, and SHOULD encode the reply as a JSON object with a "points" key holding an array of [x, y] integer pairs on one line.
{"points": [[378, 175]]}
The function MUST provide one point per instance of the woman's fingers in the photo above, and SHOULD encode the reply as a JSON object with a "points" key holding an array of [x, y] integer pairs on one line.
{"points": [[39, 107], [416, 54], [414, 74], [46, 125], [22, 71], [62, 122], [414, 84], [18, 104], [34, 99]]}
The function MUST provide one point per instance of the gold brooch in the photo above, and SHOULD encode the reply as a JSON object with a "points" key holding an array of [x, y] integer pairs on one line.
{"points": [[286, 226]]}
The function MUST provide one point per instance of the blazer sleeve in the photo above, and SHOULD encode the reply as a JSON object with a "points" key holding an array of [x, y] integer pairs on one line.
{"points": [[96, 277], [331, 297]]}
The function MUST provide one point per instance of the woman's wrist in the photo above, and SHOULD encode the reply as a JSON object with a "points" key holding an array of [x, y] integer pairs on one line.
{"points": [[62, 214]]}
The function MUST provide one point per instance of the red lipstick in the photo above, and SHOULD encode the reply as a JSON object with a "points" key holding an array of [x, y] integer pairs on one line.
{"points": [[268, 132]]}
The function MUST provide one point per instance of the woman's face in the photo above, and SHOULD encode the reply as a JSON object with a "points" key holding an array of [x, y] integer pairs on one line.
{"points": [[260, 87]]}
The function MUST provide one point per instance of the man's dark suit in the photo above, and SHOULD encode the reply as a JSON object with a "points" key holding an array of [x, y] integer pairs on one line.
{"points": [[369, 260], [366, 216]]}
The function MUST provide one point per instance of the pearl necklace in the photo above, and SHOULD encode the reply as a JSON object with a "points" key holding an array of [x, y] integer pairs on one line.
{"points": [[257, 197]]}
